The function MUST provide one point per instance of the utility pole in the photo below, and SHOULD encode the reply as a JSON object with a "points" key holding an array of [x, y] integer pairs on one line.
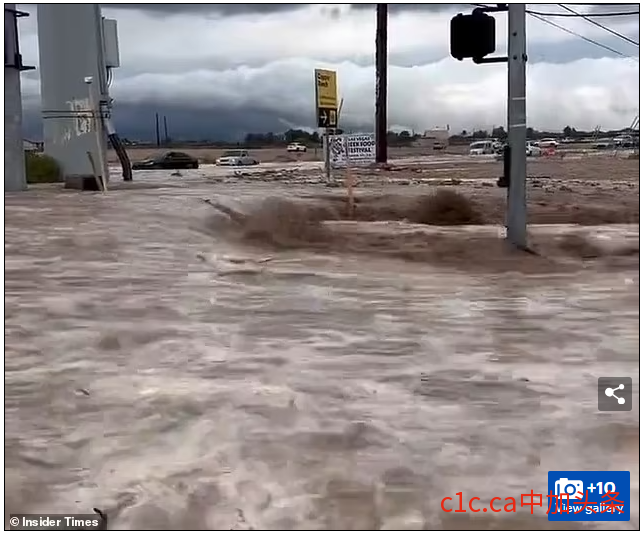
{"points": [[165, 136], [158, 130], [14, 149], [381, 83], [517, 126]]}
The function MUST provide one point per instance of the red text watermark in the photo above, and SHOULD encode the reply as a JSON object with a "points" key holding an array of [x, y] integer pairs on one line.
{"points": [[555, 504]]}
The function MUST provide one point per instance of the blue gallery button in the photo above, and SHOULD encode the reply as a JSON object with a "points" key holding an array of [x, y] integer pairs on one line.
{"points": [[588, 496]]}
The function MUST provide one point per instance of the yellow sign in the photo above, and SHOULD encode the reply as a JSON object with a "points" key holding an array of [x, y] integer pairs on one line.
{"points": [[326, 89]]}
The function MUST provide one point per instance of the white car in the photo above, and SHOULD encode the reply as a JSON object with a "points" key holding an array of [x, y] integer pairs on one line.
{"points": [[236, 157], [548, 143], [479, 148], [533, 149], [296, 147]]}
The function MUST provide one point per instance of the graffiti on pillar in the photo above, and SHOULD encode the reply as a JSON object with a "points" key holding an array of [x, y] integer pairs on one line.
{"points": [[82, 116]]}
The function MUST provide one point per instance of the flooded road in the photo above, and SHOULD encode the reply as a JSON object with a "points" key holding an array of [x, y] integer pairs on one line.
{"points": [[152, 376]]}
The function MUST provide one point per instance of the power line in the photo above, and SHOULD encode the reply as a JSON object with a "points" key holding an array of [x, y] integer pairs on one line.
{"points": [[580, 15], [613, 32], [577, 15], [571, 32]]}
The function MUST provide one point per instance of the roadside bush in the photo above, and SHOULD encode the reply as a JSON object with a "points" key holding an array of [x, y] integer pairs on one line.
{"points": [[41, 169]]}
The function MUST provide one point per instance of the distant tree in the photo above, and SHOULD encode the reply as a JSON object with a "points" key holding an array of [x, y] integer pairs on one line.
{"points": [[530, 133], [463, 133], [480, 134], [568, 131], [499, 132], [405, 134]]}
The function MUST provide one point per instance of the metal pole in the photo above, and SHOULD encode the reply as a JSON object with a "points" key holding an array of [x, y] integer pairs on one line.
{"points": [[381, 83], [14, 151], [517, 127], [326, 143]]}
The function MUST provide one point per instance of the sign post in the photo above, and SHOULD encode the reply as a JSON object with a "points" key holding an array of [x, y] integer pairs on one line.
{"points": [[326, 108], [347, 151]]}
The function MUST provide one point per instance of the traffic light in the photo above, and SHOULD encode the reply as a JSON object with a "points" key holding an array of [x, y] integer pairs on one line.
{"points": [[473, 36]]}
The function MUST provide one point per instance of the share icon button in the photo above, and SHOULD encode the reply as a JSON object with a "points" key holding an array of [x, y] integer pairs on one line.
{"points": [[614, 393]]}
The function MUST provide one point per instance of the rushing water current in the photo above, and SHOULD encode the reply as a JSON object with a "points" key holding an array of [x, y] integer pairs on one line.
{"points": [[152, 377]]}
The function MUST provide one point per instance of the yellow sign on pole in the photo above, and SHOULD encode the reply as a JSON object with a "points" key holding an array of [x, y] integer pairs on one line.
{"points": [[326, 100]]}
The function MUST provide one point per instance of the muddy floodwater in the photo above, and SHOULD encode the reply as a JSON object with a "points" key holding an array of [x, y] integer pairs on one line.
{"points": [[175, 377]]}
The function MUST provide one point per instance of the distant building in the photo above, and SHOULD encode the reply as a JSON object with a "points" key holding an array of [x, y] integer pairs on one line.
{"points": [[436, 139], [33, 146]]}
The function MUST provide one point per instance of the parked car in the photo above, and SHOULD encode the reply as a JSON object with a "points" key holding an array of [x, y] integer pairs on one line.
{"points": [[479, 148], [169, 160], [548, 143], [296, 147], [237, 157]]}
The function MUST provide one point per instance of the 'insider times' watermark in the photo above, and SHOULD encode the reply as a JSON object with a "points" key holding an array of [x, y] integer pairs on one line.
{"points": [[55, 522]]}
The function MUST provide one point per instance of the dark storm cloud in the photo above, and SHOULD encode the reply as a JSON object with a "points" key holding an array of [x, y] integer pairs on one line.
{"points": [[224, 10], [231, 10], [397, 8], [137, 122]]}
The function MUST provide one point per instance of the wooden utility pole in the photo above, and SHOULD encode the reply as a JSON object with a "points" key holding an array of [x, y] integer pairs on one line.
{"points": [[158, 130], [381, 83]]}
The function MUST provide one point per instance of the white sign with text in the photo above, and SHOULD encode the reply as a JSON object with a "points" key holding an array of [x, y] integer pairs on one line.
{"points": [[352, 149]]}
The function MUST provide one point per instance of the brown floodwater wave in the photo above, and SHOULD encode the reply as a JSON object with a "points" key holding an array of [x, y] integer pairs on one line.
{"points": [[446, 236]]}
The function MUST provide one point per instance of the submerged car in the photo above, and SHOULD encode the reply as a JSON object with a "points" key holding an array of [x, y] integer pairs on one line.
{"points": [[169, 160], [237, 157]]}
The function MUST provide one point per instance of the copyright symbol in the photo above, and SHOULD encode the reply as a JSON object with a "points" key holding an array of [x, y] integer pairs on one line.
{"points": [[14, 521]]}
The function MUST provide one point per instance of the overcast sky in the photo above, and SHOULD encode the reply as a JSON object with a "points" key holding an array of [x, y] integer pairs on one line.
{"points": [[252, 65]]}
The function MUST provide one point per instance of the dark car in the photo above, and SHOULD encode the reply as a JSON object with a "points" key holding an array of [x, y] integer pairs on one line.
{"points": [[169, 160]]}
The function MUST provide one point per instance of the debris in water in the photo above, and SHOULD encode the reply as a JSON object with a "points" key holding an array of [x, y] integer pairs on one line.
{"points": [[102, 524]]}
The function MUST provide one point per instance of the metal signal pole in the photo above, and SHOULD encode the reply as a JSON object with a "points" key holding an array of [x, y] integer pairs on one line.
{"points": [[381, 83], [517, 126]]}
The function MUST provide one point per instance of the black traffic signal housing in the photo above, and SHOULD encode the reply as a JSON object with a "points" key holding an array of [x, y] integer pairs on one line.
{"points": [[473, 36]]}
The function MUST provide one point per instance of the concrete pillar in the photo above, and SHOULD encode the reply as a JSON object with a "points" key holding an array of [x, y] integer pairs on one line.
{"points": [[71, 50], [14, 153]]}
